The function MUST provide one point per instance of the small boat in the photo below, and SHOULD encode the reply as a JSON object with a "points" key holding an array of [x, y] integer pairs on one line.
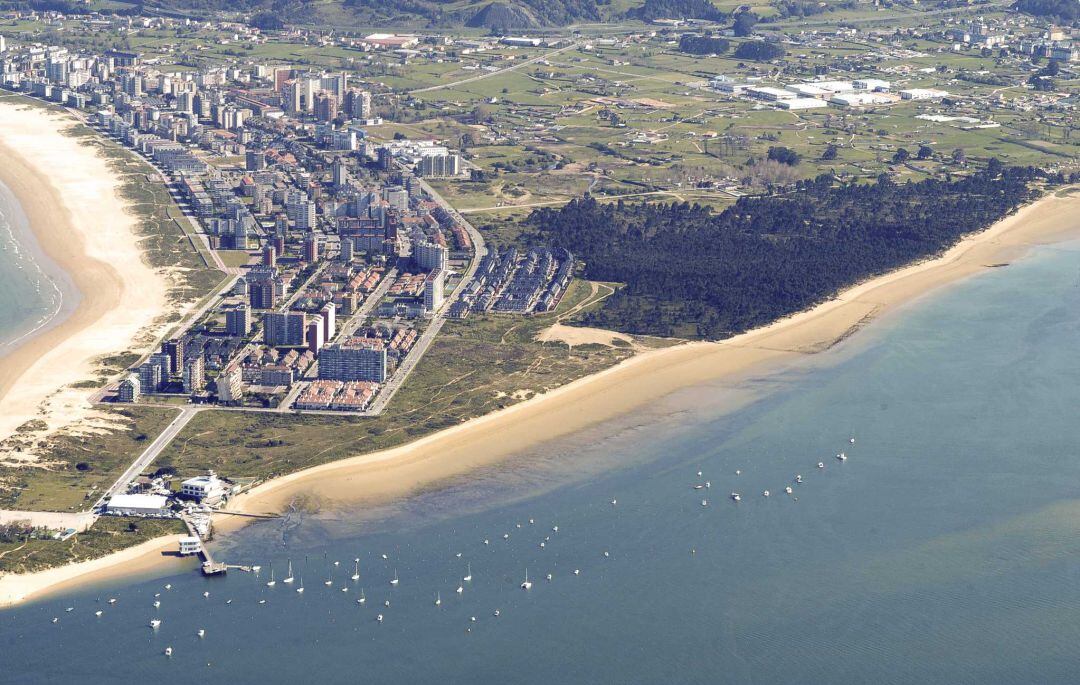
{"points": [[262, 601], [473, 619], [708, 484], [379, 618], [55, 620], [542, 545], [157, 604], [496, 612], [256, 569], [704, 502], [738, 472], [699, 474], [157, 594], [438, 599], [71, 609], [384, 556], [486, 541], [112, 600], [526, 584], [344, 589], [554, 529], [842, 456], [531, 522], [168, 586], [206, 594], [168, 651], [607, 553], [468, 573], [765, 494], [820, 465], [788, 490], [699, 487], [519, 525], [337, 563], [549, 576], [201, 633], [386, 603], [736, 496], [97, 613], [362, 598], [301, 588], [288, 575], [394, 580], [460, 589], [852, 440], [228, 601], [506, 536], [458, 555], [614, 502], [329, 579], [577, 571], [356, 569], [798, 479], [155, 622], [271, 582]]}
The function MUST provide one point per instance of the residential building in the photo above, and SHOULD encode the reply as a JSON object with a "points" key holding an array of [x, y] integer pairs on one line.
{"points": [[238, 321], [194, 375], [129, 389], [358, 359], [433, 290], [285, 329], [429, 256]]}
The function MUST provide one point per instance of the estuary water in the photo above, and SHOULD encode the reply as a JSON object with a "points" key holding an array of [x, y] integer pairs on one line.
{"points": [[34, 292], [944, 549]]}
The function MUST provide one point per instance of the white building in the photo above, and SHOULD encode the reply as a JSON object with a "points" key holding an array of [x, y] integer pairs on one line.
{"points": [[872, 84], [209, 488], [923, 94], [190, 545], [861, 99], [802, 103], [139, 505], [769, 93]]}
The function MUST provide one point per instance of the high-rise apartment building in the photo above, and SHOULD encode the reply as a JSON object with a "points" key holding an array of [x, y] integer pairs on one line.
{"points": [[358, 359], [285, 329]]}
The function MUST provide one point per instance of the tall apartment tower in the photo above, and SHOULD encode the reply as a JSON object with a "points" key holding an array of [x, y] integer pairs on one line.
{"points": [[433, 290], [285, 329], [194, 375], [429, 256], [316, 334], [311, 249], [329, 317], [269, 255], [238, 321], [129, 389], [175, 350]]}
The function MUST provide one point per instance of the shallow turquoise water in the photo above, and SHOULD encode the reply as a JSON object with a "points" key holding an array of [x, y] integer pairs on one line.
{"points": [[34, 293], [944, 550]]}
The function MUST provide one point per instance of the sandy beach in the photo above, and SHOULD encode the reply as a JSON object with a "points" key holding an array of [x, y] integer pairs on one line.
{"points": [[71, 198], [396, 472], [131, 562], [649, 376]]}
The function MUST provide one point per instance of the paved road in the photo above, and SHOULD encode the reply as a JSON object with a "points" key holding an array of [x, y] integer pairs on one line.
{"points": [[438, 319], [149, 454], [489, 74]]}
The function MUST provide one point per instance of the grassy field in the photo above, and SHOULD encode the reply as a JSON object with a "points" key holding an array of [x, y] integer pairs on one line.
{"points": [[476, 366], [110, 534], [72, 469]]}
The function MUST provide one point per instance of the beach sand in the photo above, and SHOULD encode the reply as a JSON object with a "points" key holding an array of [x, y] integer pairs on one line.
{"points": [[649, 376], [645, 378], [71, 198], [132, 562]]}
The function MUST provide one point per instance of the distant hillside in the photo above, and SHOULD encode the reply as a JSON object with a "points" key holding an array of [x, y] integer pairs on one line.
{"points": [[495, 15], [1064, 11], [498, 16], [676, 9]]}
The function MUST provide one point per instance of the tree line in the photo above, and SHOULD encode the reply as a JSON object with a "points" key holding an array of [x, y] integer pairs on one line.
{"points": [[692, 272]]}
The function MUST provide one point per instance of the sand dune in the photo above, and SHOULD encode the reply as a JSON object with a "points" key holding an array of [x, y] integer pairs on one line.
{"points": [[71, 198]]}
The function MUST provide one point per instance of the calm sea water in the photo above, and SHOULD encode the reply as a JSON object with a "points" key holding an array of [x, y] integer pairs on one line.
{"points": [[34, 292], [944, 550]]}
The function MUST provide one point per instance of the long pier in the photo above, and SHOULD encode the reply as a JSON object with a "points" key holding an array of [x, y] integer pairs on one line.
{"points": [[209, 566]]}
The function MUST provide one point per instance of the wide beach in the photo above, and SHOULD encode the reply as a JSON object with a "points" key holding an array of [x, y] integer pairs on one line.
{"points": [[487, 440], [71, 198]]}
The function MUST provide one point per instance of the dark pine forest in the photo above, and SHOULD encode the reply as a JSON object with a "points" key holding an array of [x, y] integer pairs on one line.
{"points": [[692, 272]]}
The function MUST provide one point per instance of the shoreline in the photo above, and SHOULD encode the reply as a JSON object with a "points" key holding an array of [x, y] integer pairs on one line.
{"points": [[55, 177], [492, 438]]}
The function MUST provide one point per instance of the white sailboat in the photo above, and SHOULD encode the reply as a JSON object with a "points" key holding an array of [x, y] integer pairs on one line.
{"points": [[301, 588], [526, 584], [288, 576], [356, 569], [271, 582], [329, 577], [468, 572], [394, 580], [362, 598], [438, 599]]}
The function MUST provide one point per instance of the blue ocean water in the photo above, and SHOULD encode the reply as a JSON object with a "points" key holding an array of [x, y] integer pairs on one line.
{"points": [[34, 292], [945, 549]]}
